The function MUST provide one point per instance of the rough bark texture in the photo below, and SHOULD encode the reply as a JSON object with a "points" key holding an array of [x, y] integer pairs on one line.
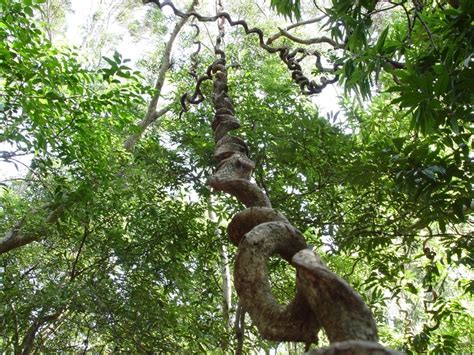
{"points": [[293, 322], [322, 298], [343, 313]]}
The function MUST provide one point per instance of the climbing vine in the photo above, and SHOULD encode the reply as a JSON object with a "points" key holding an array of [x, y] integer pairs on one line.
{"points": [[323, 300], [111, 242]]}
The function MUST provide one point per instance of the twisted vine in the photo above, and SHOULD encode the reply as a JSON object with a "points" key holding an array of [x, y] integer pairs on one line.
{"points": [[287, 55], [322, 300], [197, 97], [194, 55]]}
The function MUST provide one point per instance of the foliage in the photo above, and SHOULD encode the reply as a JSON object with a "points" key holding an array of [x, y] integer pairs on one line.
{"points": [[53, 108], [132, 262], [86, 279], [287, 7]]}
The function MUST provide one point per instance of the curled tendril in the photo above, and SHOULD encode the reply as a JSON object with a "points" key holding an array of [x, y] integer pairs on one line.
{"points": [[197, 96], [194, 55], [307, 86]]}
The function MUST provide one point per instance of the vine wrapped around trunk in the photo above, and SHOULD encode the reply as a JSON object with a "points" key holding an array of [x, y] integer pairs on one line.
{"points": [[322, 300]]}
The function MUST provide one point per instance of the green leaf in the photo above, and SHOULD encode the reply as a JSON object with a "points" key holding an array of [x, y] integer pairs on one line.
{"points": [[112, 63], [381, 41], [288, 8], [411, 288], [28, 9]]}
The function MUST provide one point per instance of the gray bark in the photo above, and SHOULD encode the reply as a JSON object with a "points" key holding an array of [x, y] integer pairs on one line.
{"points": [[152, 114]]}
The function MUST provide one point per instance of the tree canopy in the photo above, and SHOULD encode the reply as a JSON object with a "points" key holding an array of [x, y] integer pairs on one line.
{"points": [[111, 239]]}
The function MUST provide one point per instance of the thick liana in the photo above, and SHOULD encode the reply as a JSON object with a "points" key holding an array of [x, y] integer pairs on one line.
{"points": [[322, 300]]}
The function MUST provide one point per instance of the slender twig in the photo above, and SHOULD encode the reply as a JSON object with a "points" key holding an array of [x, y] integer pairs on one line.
{"points": [[352, 269], [32, 172], [263, 12], [409, 22], [210, 38], [142, 126], [86, 342], [316, 40], [394, 5], [15, 322], [62, 98], [86, 233], [273, 38], [319, 8], [7, 155], [427, 29]]}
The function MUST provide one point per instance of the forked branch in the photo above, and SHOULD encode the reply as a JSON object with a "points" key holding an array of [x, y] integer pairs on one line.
{"points": [[286, 54]]}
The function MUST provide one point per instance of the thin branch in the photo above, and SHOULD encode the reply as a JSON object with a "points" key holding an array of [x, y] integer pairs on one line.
{"points": [[16, 336], [86, 342], [132, 140], [30, 171], [210, 39], [395, 64], [427, 29], [394, 5], [16, 238], [273, 38], [316, 40], [261, 10], [17, 153], [409, 22], [152, 113], [352, 269], [315, 2], [86, 233]]}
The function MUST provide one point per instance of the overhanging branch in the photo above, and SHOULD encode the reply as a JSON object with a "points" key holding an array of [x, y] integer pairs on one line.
{"points": [[286, 54]]}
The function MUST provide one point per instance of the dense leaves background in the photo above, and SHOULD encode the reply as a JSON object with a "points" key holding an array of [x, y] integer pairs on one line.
{"points": [[131, 260]]}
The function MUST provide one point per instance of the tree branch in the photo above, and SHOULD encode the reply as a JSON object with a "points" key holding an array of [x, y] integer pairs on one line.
{"points": [[132, 140], [152, 114], [316, 40], [273, 38], [86, 233], [16, 238], [30, 336]]}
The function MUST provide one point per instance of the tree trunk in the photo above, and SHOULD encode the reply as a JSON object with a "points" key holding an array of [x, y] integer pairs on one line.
{"points": [[28, 340], [226, 282]]}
